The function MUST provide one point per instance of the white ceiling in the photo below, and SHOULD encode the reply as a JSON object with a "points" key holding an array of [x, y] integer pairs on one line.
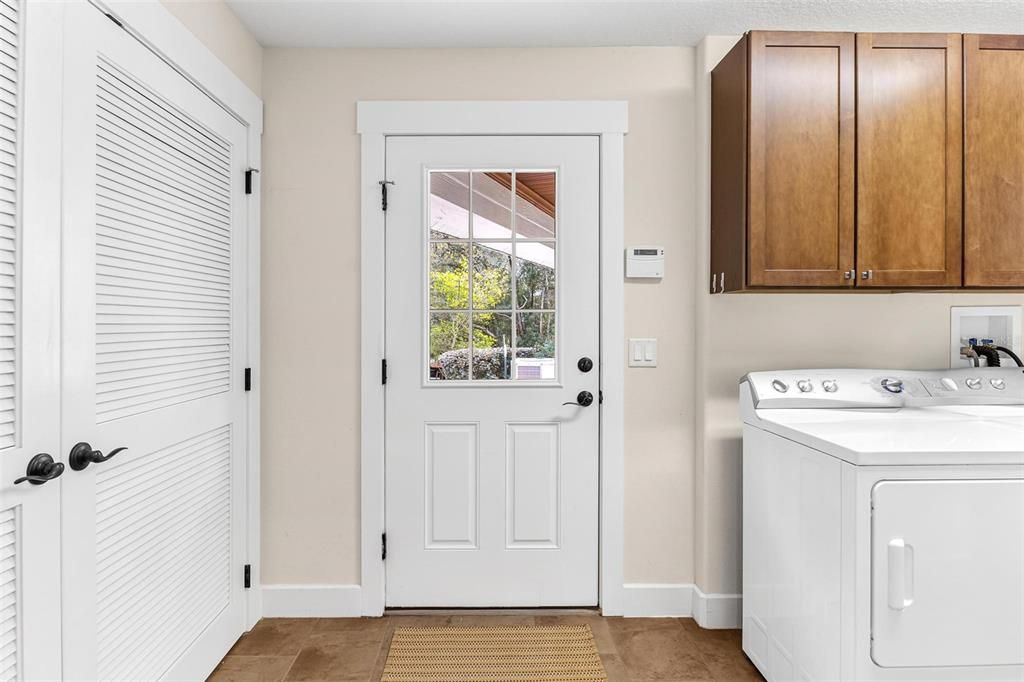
{"points": [[582, 23]]}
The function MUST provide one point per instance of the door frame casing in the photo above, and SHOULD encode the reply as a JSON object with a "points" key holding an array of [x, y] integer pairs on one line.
{"points": [[606, 120], [152, 24]]}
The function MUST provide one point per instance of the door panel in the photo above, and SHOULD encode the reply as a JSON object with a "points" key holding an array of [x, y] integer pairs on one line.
{"points": [[947, 559], [909, 152], [452, 466], [492, 298], [994, 161], [532, 485], [30, 72], [154, 301], [145, 515], [801, 159]]}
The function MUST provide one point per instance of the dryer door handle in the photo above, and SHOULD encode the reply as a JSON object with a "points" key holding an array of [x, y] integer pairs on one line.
{"points": [[901, 574]]}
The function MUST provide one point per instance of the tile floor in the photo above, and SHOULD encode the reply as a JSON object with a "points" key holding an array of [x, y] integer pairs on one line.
{"points": [[335, 649]]}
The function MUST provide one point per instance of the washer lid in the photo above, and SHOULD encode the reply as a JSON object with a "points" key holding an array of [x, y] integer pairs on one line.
{"points": [[906, 436]]}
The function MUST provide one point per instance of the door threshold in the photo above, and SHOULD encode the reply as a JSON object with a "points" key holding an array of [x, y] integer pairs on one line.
{"points": [[490, 611]]}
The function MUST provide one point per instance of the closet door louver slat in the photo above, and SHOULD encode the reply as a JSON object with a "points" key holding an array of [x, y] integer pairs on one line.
{"points": [[163, 253], [8, 595], [10, 64]]}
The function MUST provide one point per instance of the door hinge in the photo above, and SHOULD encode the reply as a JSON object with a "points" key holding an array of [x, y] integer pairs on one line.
{"points": [[600, 397], [248, 179], [383, 546], [384, 193], [248, 378], [384, 371], [247, 576]]}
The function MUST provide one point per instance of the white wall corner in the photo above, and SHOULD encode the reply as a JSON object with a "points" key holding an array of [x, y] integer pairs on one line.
{"points": [[717, 611], [312, 601], [657, 600]]}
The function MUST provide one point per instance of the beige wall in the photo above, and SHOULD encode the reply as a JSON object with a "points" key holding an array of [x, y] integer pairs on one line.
{"points": [[747, 332], [311, 283], [683, 455], [213, 22]]}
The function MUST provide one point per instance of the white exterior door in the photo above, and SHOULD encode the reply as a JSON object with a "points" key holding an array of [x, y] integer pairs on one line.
{"points": [[491, 325], [154, 341], [30, 634], [947, 573]]}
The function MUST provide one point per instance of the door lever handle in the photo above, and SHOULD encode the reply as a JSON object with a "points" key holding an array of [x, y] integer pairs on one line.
{"points": [[82, 455], [41, 469], [583, 399]]}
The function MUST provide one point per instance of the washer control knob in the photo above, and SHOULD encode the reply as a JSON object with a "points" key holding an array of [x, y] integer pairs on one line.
{"points": [[997, 384], [805, 385], [780, 385], [973, 383], [893, 385], [949, 384], [830, 385]]}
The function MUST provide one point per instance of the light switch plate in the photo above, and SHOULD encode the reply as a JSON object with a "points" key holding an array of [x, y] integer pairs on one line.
{"points": [[643, 352]]}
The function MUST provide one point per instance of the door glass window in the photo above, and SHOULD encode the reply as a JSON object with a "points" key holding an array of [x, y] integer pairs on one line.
{"points": [[491, 276]]}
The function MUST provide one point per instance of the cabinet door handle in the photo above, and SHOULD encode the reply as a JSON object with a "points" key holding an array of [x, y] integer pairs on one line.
{"points": [[714, 282], [899, 552], [867, 274]]}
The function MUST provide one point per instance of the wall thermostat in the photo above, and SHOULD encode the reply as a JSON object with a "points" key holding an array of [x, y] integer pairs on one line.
{"points": [[645, 261]]}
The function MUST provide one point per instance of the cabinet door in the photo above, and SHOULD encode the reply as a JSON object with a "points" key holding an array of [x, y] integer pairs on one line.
{"points": [[994, 161], [909, 153], [801, 159]]}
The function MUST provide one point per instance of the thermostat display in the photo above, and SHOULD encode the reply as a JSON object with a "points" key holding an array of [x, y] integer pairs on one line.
{"points": [[645, 261]]}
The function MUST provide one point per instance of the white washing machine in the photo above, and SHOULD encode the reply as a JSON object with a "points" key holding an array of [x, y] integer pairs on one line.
{"points": [[883, 524]]}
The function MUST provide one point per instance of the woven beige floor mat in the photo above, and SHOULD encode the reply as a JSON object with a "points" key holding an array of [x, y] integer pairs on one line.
{"points": [[557, 653]]}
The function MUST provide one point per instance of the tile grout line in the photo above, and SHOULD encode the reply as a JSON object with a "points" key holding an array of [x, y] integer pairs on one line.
{"points": [[291, 665]]}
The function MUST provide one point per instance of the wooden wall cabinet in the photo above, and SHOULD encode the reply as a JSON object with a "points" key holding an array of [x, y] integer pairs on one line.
{"points": [[838, 161], [909, 159], [994, 161], [782, 171]]}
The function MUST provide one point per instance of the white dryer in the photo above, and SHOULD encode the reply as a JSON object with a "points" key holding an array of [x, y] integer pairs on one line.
{"points": [[883, 524]]}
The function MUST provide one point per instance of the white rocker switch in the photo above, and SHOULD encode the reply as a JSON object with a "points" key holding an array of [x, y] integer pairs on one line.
{"points": [[643, 352]]}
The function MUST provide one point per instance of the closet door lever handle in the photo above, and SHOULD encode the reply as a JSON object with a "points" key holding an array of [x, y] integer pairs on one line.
{"points": [[82, 455], [41, 469]]}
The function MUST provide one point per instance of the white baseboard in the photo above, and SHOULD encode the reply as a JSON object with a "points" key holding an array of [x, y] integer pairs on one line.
{"points": [[717, 611], [312, 601], [640, 600], [657, 600], [682, 600]]}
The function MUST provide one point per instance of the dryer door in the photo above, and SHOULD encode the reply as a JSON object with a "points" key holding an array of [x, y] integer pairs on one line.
{"points": [[947, 559]]}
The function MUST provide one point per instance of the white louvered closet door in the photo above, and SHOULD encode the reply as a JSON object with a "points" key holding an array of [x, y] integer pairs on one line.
{"points": [[30, 636], [154, 327]]}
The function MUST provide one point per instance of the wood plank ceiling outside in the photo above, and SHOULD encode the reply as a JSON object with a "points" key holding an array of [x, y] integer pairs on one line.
{"points": [[537, 188]]}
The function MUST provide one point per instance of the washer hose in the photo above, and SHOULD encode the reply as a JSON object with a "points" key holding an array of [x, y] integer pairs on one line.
{"points": [[1014, 356], [990, 354]]}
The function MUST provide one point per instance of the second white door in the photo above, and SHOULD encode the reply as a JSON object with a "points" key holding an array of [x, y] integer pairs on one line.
{"points": [[153, 403], [492, 336]]}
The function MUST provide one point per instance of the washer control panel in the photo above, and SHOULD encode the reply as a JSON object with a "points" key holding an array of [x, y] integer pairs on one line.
{"points": [[887, 388]]}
